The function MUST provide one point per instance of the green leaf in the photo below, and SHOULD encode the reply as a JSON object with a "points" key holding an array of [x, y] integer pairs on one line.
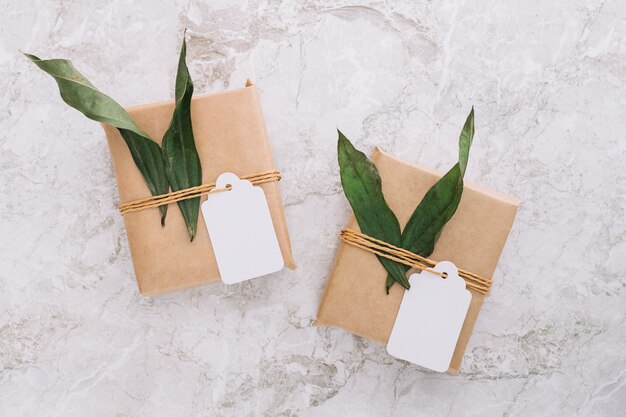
{"points": [[149, 160], [439, 204], [362, 187], [182, 163], [80, 94]]}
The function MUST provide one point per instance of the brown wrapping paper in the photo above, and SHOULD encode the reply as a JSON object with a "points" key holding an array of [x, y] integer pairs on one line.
{"points": [[355, 299], [230, 136]]}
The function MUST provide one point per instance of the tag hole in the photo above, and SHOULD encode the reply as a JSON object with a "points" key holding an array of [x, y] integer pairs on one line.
{"points": [[445, 275], [229, 186]]}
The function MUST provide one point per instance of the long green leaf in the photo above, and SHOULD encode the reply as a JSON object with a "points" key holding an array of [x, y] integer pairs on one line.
{"points": [[362, 187], [182, 163], [80, 94], [149, 160], [439, 204]]}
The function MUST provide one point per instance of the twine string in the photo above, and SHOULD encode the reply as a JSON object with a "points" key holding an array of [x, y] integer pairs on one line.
{"points": [[193, 192], [378, 247]]}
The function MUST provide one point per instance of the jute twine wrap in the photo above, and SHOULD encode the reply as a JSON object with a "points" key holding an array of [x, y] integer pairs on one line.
{"points": [[193, 192], [378, 247]]}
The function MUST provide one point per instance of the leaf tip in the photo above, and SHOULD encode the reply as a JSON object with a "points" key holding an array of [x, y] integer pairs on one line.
{"points": [[30, 56], [342, 140], [185, 37]]}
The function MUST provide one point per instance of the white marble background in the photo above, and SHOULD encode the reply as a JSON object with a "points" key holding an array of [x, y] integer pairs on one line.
{"points": [[548, 80]]}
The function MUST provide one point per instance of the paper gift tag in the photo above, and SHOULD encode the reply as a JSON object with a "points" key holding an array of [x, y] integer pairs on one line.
{"points": [[241, 230], [430, 318]]}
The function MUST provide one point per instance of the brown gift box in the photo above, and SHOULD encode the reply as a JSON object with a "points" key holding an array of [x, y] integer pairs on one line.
{"points": [[230, 136], [355, 299]]}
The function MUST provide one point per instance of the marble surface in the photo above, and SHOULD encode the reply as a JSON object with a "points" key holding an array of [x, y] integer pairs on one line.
{"points": [[548, 81]]}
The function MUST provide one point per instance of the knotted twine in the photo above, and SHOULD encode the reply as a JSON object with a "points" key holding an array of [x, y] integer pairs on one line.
{"points": [[193, 192], [378, 247]]}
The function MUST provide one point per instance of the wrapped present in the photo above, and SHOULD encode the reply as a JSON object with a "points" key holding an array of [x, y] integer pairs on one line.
{"points": [[355, 298], [230, 136]]}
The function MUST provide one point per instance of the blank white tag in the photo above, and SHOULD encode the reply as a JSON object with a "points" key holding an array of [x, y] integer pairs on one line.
{"points": [[430, 319], [241, 230]]}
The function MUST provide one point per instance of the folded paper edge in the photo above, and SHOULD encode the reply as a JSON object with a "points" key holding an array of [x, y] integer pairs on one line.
{"points": [[169, 290], [291, 262], [476, 187], [148, 106]]}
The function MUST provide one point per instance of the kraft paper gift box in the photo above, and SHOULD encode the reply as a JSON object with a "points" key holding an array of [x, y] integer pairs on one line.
{"points": [[355, 297], [230, 136]]}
